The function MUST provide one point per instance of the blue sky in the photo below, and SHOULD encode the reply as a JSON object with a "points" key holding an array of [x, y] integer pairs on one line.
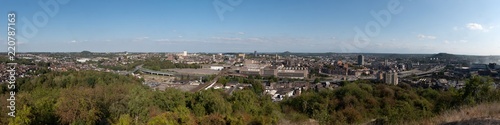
{"points": [[421, 26]]}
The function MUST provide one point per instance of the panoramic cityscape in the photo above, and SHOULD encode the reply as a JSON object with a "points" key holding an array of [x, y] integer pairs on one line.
{"points": [[235, 62]]}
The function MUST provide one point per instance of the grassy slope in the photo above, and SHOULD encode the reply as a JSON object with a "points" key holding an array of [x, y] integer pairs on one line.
{"points": [[486, 113]]}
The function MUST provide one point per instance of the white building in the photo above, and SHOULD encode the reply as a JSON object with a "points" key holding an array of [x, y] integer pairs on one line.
{"points": [[216, 67], [83, 60]]}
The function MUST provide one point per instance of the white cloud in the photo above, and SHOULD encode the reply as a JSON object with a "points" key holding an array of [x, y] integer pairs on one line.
{"points": [[455, 28], [454, 42], [140, 39], [261, 40], [475, 26], [73, 42], [241, 33], [180, 36], [227, 38], [162, 40], [175, 41], [479, 27], [255, 39], [421, 36]]}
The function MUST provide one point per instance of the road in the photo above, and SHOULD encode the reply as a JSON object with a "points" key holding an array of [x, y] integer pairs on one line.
{"points": [[231, 90], [209, 84], [148, 71], [437, 68]]}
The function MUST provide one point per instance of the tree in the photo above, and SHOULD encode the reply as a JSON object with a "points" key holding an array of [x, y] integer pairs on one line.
{"points": [[213, 119], [23, 117], [245, 101], [316, 80], [223, 81], [164, 119], [124, 120], [78, 106], [272, 78], [477, 89], [257, 86]]}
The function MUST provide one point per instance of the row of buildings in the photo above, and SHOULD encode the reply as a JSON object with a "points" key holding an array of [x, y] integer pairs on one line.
{"points": [[254, 68], [281, 72]]}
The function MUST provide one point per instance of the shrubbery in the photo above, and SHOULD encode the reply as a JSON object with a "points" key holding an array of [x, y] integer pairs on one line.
{"points": [[360, 102], [90, 97]]}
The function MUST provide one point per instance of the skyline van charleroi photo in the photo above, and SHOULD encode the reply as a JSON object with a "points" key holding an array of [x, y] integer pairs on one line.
{"points": [[249, 62]]}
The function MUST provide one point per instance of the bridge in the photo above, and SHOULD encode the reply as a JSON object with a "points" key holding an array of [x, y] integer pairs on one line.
{"points": [[437, 68], [148, 71]]}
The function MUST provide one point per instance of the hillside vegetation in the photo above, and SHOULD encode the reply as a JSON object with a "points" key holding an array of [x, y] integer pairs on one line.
{"points": [[486, 113], [90, 97]]}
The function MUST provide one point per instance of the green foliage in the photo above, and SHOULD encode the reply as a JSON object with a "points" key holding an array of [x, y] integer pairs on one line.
{"points": [[316, 80], [78, 105], [223, 81], [163, 119], [91, 97], [257, 86], [358, 102], [156, 63], [213, 119], [272, 78], [23, 116], [477, 89], [125, 119], [245, 101], [119, 67]]}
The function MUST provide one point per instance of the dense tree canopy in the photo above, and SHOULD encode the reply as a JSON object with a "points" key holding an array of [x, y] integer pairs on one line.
{"points": [[91, 97], [158, 64], [360, 102]]}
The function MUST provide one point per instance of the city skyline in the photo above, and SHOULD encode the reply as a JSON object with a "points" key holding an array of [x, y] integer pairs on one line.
{"points": [[458, 27]]}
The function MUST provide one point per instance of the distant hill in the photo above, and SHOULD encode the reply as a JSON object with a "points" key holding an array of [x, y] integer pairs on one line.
{"points": [[444, 56]]}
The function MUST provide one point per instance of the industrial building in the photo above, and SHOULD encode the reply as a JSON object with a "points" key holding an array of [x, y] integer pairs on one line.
{"points": [[292, 72], [281, 72]]}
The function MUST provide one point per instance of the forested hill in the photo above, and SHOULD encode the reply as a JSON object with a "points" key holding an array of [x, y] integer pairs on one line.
{"points": [[90, 97]]}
